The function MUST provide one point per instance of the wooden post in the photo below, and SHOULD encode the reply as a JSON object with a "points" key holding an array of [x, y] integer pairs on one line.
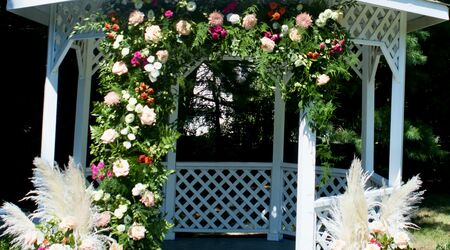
{"points": [[397, 110], [306, 217], [48, 137], [172, 180], [277, 161], [369, 68], [83, 100]]}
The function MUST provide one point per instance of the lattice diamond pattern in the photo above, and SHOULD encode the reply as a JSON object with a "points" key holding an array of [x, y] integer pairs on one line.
{"points": [[289, 200], [335, 185], [375, 24], [211, 199], [66, 16]]}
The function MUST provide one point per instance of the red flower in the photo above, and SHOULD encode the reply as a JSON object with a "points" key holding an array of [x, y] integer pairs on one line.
{"points": [[107, 26], [273, 5], [144, 96], [282, 10], [150, 100], [116, 27], [150, 91]]}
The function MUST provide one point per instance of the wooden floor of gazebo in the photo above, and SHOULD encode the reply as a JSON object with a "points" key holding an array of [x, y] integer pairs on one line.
{"points": [[227, 243]]}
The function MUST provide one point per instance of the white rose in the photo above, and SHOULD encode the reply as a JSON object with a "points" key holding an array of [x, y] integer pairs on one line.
{"points": [[267, 44], [137, 231], [138, 189], [233, 18], [323, 79], [157, 65], [120, 228], [148, 116], [125, 51], [129, 118], [109, 136], [131, 137], [132, 101], [127, 144], [284, 28], [191, 6], [131, 107], [106, 196], [138, 109], [124, 131], [125, 95], [123, 208], [121, 168], [97, 195], [118, 213]]}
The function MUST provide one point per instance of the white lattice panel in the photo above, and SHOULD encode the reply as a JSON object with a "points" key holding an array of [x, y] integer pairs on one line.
{"points": [[377, 26], [222, 200], [289, 200], [66, 15]]}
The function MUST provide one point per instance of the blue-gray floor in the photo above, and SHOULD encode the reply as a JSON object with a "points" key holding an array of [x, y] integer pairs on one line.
{"points": [[227, 243]]}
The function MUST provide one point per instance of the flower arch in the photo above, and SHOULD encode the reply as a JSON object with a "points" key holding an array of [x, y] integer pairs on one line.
{"points": [[299, 48]]}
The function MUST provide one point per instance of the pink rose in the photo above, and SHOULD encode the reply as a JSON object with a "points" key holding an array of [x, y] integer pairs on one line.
{"points": [[136, 17], [183, 28], [121, 168], [148, 116], [112, 98], [103, 219], [323, 79], [215, 18], [153, 33], [168, 13], [249, 21], [148, 199], [136, 231], [267, 44], [119, 68], [163, 55]]}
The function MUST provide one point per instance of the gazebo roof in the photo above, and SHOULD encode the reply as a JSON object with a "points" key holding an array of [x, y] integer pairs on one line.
{"points": [[421, 13]]}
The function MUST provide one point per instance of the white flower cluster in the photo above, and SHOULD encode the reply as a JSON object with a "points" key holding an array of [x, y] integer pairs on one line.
{"points": [[153, 68], [335, 15], [147, 197]]}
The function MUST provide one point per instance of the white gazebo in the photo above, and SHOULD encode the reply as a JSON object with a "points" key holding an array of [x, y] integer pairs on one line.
{"points": [[242, 196]]}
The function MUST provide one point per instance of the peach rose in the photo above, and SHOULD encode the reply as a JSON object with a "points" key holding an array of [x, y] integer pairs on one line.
{"points": [[294, 35], [153, 33], [109, 136], [148, 116], [136, 17], [323, 79], [121, 168], [103, 219], [183, 28], [119, 68], [148, 199], [249, 21], [115, 246], [163, 55], [111, 99], [137, 231], [267, 44]]}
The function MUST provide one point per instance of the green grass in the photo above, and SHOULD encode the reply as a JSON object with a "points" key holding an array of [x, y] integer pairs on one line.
{"points": [[433, 218]]}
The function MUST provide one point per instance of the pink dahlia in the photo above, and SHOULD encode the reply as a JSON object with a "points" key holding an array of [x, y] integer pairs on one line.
{"points": [[215, 19], [303, 20]]}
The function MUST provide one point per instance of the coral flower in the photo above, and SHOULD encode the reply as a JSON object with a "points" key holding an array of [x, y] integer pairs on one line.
{"points": [[276, 16], [273, 5]]}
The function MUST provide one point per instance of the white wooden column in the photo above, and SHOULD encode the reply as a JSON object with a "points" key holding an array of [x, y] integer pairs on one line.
{"points": [[397, 109], [171, 164], [83, 100], [277, 172], [49, 113], [306, 218], [369, 69]]}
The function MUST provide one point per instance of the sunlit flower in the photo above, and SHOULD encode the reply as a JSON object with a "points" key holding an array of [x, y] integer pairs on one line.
{"points": [[162, 55], [103, 219], [183, 27], [148, 116], [267, 44], [303, 20], [401, 239], [112, 98], [215, 19], [137, 231], [121, 168], [148, 199], [109, 136], [249, 21], [136, 17], [153, 33], [119, 68], [294, 35], [323, 79]]}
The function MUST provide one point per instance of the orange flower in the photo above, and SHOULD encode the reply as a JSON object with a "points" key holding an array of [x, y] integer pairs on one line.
{"points": [[115, 27], [273, 5], [282, 10], [276, 16]]}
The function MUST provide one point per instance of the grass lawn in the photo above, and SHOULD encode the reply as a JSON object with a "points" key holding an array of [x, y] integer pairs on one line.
{"points": [[433, 218]]}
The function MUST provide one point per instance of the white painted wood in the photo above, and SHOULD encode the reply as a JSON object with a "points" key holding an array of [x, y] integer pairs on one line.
{"points": [[80, 139], [171, 164], [277, 161], [19, 4], [425, 8], [224, 165], [397, 111], [368, 109], [48, 138], [305, 224]]}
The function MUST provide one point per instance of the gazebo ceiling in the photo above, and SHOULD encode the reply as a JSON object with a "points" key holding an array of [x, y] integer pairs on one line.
{"points": [[421, 13]]}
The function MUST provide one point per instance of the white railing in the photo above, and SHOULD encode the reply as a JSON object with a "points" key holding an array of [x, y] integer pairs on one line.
{"points": [[227, 197], [222, 197]]}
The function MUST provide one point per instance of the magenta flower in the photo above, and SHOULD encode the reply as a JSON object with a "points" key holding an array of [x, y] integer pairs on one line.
{"points": [[275, 37], [268, 34], [217, 32], [137, 59], [168, 13], [230, 7], [323, 45]]}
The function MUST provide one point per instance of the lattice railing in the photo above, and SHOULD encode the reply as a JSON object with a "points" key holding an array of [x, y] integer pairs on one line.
{"points": [[222, 197], [329, 182]]}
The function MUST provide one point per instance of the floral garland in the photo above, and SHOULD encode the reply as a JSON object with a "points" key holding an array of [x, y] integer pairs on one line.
{"points": [[146, 54]]}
